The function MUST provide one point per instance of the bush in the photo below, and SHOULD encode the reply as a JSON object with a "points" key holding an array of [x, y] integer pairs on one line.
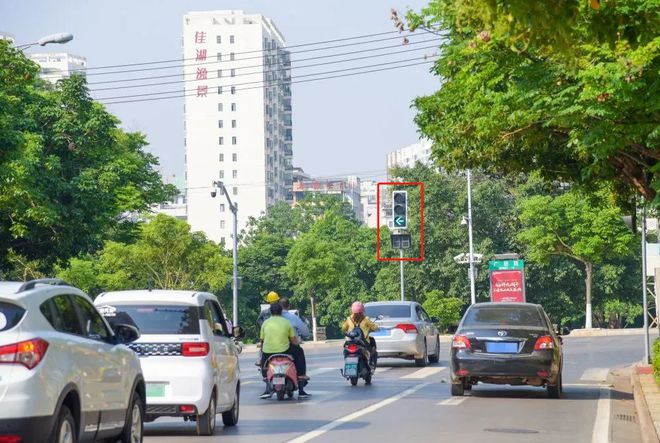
{"points": [[656, 359], [446, 309]]}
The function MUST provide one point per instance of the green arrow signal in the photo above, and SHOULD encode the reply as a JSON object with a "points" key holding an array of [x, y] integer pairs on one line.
{"points": [[399, 221]]}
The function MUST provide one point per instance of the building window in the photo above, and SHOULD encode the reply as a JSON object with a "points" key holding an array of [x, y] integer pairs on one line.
{"points": [[233, 106], [220, 92], [234, 157], [220, 124], [218, 39], [231, 39], [222, 224], [233, 89], [222, 240], [222, 207], [219, 56], [232, 73], [231, 56], [233, 123], [220, 107], [219, 73], [234, 174], [234, 190], [233, 140], [221, 140], [221, 157], [221, 174]]}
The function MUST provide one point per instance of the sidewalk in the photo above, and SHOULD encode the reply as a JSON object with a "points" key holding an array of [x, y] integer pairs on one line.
{"points": [[599, 332], [647, 402]]}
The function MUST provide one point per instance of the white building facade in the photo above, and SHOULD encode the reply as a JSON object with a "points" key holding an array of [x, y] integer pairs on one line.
{"points": [[58, 65], [347, 189], [406, 157], [237, 117], [369, 200]]}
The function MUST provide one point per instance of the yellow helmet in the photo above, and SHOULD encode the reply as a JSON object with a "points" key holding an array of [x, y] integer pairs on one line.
{"points": [[272, 297]]}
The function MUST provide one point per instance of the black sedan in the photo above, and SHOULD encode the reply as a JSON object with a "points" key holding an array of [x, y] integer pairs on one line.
{"points": [[506, 343]]}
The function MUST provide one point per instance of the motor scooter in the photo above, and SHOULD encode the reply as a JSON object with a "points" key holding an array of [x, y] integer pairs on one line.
{"points": [[281, 376], [357, 358]]}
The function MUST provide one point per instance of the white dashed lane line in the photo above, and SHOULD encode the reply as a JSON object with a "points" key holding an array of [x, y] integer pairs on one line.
{"points": [[424, 372]]}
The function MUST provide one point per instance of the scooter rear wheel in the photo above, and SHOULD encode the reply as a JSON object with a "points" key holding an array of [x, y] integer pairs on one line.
{"points": [[354, 381], [280, 395]]}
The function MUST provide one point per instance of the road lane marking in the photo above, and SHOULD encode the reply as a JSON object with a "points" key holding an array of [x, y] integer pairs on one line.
{"points": [[355, 415], [595, 374], [424, 372], [601, 433], [452, 401]]}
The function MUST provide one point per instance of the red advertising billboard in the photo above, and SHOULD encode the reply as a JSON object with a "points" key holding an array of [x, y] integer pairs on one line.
{"points": [[507, 286]]}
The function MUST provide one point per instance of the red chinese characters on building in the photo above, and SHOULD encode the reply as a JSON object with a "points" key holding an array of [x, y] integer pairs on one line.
{"points": [[200, 55]]}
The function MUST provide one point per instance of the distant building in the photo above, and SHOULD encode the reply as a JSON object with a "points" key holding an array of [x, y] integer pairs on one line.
{"points": [[58, 65], [406, 157], [369, 200], [237, 117], [177, 207], [296, 174], [348, 189]]}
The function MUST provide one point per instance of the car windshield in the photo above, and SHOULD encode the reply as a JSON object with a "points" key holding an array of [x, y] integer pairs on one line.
{"points": [[10, 315], [154, 319], [387, 311], [503, 316]]}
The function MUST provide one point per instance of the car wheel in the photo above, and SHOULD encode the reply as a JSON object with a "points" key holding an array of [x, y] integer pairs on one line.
{"points": [[421, 362], [230, 417], [436, 355], [66, 427], [206, 421], [554, 391], [467, 385], [134, 427], [457, 389]]}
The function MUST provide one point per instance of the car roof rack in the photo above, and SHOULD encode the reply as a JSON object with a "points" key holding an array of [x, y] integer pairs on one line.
{"points": [[50, 281]]}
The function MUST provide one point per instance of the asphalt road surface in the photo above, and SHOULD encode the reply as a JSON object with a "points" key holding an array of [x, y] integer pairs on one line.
{"points": [[409, 404]]}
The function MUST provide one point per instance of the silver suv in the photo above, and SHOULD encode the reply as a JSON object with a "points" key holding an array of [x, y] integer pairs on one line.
{"points": [[65, 375]]}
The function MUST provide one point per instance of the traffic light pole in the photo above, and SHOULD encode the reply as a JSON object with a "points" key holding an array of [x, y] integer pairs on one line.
{"points": [[403, 298], [473, 295]]}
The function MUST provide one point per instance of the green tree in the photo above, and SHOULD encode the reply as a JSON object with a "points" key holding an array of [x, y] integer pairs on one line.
{"points": [[165, 256], [586, 229], [506, 107], [446, 309], [67, 171]]}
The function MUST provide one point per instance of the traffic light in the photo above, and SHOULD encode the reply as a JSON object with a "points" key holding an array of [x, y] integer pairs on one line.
{"points": [[400, 209]]}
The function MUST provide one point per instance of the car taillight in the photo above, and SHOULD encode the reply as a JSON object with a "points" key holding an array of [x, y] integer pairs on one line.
{"points": [[544, 342], [461, 342], [352, 348], [192, 349], [407, 328], [10, 439], [187, 409], [27, 353]]}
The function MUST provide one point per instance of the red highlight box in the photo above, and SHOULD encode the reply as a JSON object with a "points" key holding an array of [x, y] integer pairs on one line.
{"points": [[421, 218]]}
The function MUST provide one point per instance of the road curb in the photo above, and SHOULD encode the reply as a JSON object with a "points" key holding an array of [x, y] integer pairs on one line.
{"points": [[647, 427], [599, 332]]}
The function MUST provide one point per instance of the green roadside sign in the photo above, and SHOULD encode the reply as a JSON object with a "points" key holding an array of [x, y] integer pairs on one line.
{"points": [[505, 265]]}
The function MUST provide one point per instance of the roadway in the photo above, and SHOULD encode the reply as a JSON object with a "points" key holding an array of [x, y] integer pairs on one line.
{"points": [[406, 403]]}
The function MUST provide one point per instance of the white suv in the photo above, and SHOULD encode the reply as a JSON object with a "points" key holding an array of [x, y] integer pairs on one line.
{"points": [[188, 355], [65, 376]]}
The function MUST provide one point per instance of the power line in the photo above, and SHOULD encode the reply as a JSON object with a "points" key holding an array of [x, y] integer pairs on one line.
{"points": [[180, 65], [150, 94], [262, 65]]}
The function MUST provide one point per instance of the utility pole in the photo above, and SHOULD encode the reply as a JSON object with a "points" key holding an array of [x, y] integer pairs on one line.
{"points": [[234, 210], [403, 297], [647, 349], [473, 295]]}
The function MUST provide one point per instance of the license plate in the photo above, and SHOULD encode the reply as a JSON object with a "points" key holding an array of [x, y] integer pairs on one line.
{"points": [[350, 367], [502, 347], [155, 389], [381, 332], [278, 381]]}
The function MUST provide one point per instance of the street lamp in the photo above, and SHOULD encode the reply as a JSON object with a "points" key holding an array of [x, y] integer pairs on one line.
{"points": [[234, 210], [61, 38], [473, 295]]}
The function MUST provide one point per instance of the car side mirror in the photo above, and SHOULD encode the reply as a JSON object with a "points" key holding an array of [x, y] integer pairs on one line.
{"points": [[238, 332], [452, 329], [565, 330], [126, 333]]}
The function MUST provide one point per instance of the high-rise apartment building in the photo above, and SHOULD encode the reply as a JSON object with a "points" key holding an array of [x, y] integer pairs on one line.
{"points": [[407, 156], [238, 126], [58, 65]]}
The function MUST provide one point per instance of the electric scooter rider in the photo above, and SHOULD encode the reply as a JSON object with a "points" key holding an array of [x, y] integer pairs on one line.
{"points": [[358, 319], [277, 336]]}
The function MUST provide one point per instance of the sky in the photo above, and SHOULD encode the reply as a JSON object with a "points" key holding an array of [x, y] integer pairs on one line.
{"points": [[341, 126]]}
